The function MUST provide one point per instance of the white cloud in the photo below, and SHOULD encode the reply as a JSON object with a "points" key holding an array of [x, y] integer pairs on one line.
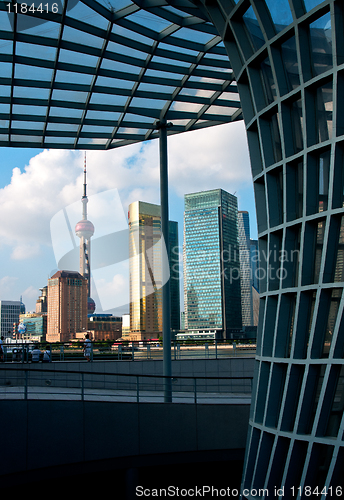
{"points": [[8, 288], [25, 251], [210, 158], [199, 160], [30, 294]]}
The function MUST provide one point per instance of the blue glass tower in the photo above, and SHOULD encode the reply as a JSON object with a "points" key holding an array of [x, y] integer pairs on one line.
{"points": [[211, 262]]}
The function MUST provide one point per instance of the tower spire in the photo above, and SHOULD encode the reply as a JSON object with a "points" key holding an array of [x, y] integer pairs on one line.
{"points": [[85, 185], [85, 230], [84, 197]]}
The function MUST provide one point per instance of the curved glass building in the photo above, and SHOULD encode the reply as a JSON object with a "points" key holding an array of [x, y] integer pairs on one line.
{"points": [[101, 74], [288, 62]]}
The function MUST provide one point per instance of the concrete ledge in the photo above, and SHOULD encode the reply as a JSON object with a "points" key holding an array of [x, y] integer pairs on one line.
{"points": [[42, 435]]}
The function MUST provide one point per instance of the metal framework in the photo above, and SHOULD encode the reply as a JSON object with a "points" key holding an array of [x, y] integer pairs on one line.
{"points": [[95, 74], [287, 56]]}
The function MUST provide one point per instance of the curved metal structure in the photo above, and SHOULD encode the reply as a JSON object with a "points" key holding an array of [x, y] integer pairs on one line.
{"points": [[97, 74], [288, 60]]}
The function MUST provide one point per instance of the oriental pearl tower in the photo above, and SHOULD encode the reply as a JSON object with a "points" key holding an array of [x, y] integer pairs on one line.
{"points": [[85, 230]]}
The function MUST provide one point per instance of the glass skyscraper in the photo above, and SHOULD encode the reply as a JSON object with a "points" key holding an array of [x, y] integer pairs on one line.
{"points": [[9, 314], [245, 268], [145, 271], [174, 274], [211, 261]]}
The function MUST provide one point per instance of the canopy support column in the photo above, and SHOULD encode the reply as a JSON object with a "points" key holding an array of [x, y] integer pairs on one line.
{"points": [[166, 299]]}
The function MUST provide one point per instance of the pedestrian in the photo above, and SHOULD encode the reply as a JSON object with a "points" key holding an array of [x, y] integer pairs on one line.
{"points": [[35, 354], [87, 347], [47, 355]]}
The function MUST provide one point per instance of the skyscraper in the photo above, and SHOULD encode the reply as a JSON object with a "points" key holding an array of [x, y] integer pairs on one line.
{"points": [[145, 271], [67, 306], [84, 229], [9, 314], [245, 268], [211, 262], [174, 275]]}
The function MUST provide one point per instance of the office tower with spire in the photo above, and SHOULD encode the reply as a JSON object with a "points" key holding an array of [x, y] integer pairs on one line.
{"points": [[84, 229]]}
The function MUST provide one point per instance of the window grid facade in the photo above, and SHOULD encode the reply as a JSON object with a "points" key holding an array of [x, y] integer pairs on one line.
{"points": [[9, 314], [67, 306], [211, 262], [145, 271]]}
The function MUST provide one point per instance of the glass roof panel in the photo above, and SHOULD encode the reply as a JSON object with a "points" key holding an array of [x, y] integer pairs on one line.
{"points": [[31, 72], [80, 37], [74, 78], [6, 21], [26, 138], [5, 91], [71, 57], [97, 128], [67, 127], [253, 28], [116, 48], [119, 66], [280, 13], [192, 36], [82, 12], [58, 140], [102, 115], [30, 50], [47, 29], [65, 112], [104, 81], [116, 4], [31, 92], [184, 50], [131, 34], [111, 99], [310, 4], [27, 125], [29, 110], [5, 69], [69, 96], [149, 20]]}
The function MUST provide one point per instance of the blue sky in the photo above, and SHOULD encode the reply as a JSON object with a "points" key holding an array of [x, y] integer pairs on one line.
{"points": [[35, 185]]}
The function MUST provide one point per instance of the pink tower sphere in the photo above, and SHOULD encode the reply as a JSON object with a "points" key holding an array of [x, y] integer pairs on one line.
{"points": [[84, 228]]}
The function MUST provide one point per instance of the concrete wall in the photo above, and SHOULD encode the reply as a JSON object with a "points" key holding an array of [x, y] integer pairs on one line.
{"points": [[105, 371], [43, 435], [48, 436]]}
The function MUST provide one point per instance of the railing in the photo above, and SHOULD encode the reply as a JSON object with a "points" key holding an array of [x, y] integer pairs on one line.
{"points": [[73, 351], [35, 383]]}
